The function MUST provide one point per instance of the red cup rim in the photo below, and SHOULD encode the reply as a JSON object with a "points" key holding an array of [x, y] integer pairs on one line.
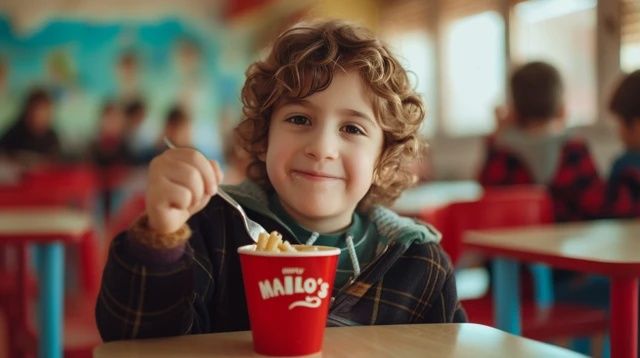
{"points": [[322, 251]]}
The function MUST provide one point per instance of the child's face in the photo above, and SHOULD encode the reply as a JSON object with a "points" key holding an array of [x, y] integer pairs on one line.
{"points": [[179, 134], [112, 123], [40, 117], [630, 133], [322, 152]]}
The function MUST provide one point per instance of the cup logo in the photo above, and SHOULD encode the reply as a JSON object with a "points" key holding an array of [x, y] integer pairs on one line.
{"points": [[293, 282]]}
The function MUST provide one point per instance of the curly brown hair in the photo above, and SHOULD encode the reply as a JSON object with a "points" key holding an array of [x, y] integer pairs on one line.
{"points": [[302, 62]]}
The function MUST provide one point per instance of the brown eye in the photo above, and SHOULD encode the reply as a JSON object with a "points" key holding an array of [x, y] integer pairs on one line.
{"points": [[351, 129], [299, 120]]}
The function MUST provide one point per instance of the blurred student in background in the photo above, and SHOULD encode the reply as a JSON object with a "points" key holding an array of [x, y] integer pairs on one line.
{"points": [[109, 147], [623, 191], [236, 159], [31, 138], [532, 146], [177, 128], [135, 112]]}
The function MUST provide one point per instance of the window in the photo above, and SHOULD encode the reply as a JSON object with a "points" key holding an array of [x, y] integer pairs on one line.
{"points": [[563, 34], [630, 45], [473, 73], [416, 53]]}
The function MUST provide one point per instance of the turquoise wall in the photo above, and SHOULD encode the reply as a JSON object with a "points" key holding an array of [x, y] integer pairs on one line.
{"points": [[78, 60]]}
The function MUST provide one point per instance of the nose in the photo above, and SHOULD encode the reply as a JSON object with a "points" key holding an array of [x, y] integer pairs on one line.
{"points": [[322, 144]]}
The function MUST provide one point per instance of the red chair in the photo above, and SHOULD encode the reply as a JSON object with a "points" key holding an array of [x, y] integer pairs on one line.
{"points": [[542, 319], [46, 187], [69, 186]]}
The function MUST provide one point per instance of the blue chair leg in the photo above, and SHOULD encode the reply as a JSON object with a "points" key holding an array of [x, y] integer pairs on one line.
{"points": [[506, 295], [51, 277], [606, 347], [543, 285], [581, 345]]}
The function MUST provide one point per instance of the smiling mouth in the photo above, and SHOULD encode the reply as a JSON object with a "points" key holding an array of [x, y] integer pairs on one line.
{"points": [[315, 176]]}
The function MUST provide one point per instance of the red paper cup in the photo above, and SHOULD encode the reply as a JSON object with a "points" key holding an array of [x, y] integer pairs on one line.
{"points": [[288, 296]]}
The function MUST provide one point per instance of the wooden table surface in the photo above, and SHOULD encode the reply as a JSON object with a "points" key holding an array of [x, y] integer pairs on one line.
{"points": [[609, 247], [43, 221], [605, 246], [436, 194], [433, 340]]}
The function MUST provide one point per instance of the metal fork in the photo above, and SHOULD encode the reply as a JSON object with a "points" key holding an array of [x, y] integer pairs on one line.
{"points": [[253, 228]]}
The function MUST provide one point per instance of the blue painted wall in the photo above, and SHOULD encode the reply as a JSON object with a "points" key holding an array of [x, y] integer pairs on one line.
{"points": [[78, 60]]}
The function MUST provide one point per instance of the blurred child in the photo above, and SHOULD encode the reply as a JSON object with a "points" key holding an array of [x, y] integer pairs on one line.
{"points": [[237, 160], [331, 123], [109, 147], [532, 146], [135, 112], [177, 128], [623, 190], [32, 137]]}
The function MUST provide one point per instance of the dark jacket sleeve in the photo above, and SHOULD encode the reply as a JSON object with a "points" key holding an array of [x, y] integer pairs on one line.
{"points": [[141, 300], [443, 304]]}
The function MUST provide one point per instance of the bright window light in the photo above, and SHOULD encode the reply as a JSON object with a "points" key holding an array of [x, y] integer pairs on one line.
{"points": [[474, 71], [416, 53]]}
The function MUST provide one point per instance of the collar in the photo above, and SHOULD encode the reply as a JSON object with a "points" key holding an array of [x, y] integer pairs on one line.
{"points": [[337, 239]]}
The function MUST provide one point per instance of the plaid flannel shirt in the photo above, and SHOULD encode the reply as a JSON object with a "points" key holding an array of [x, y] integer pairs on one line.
{"points": [[576, 189], [623, 194], [202, 292]]}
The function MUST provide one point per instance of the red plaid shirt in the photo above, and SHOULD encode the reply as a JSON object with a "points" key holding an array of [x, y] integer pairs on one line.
{"points": [[576, 189], [623, 194]]}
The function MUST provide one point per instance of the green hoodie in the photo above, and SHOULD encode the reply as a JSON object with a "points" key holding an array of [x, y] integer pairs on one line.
{"points": [[370, 232]]}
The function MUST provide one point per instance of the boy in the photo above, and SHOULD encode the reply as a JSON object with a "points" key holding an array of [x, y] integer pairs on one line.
{"points": [[177, 129], [330, 123], [32, 138], [532, 146], [623, 192]]}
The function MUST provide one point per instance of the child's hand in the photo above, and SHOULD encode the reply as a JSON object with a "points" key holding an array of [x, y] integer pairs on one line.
{"points": [[181, 182]]}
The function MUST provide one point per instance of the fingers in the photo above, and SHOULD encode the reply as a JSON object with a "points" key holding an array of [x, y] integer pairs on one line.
{"points": [[217, 171], [202, 165], [181, 182], [177, 196]]}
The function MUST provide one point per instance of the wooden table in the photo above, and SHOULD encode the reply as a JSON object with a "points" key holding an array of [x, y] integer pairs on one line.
{"points": [[608, 247], [420, 340], [435, 195], [49, 229]]}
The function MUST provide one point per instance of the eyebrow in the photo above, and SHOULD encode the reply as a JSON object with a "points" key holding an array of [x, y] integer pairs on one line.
{"points": [[347, 111]]}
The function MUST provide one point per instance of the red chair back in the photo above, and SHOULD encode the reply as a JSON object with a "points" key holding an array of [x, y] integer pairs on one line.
{"points": [[72, 186], [497, 208]]}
